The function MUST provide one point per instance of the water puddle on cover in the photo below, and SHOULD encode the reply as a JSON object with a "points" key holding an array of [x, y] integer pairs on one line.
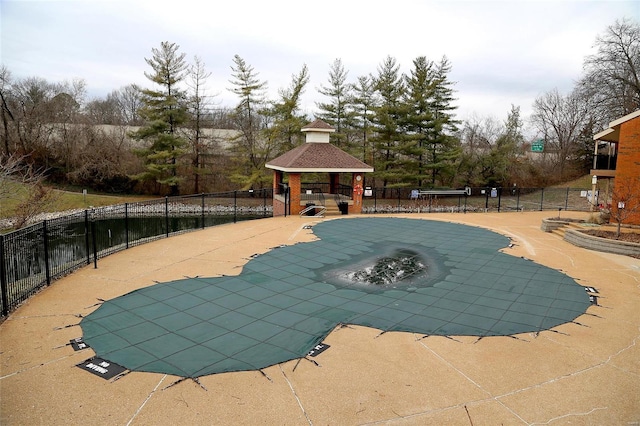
{"points": [[387, 267]]}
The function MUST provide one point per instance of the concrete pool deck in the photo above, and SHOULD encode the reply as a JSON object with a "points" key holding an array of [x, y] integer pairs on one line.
{"points": [[586, 372]]}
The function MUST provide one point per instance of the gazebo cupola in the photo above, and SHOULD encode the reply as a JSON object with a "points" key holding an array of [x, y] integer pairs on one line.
{"points": [[317, 155], [317, 132]]}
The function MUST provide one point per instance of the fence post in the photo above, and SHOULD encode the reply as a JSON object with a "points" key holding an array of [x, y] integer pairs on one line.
{"points": [[264, 203], [566, 200], [202, 205], [86, 235], [398, 190], [166, 215], [518, 199], [486, 202], [541, 198], [499, 198], [95, 245], [3, 280], [285, 191], [235, 206], [126, 224], [45, 239], [375, 200]]}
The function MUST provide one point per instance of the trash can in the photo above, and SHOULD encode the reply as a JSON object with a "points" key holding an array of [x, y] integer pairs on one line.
{"points": [[310, 212], [343, 207]]}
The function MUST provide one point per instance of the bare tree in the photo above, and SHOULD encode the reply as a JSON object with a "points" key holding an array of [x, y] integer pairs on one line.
{"points": [[104, 111], [561, 120], [612, 74], [105, 161], [33, 125], [197, 104], [129, 99], [5, 111], [22, 184], [491, 151], [478, 136], [39, 119], [625, 200], [65, 108]]}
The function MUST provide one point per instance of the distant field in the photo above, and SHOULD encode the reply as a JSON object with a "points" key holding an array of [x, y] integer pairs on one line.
{"points": [[64, 200], [583, 182]]}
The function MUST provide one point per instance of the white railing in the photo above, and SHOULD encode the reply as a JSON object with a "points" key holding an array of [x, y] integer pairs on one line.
{"points": [[321, 210]]}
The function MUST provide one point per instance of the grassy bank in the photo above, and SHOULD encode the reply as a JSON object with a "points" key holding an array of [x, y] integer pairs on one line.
{"points": [[61, 200]]}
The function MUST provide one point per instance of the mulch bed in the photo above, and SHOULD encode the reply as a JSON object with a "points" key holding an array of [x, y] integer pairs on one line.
{"points": [[630, 237]]}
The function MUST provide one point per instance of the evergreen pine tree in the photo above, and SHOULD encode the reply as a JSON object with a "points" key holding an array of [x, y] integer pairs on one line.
{"points": [[420, 119], [337, 111], [502, 157], [286, 117], [363, 104], [250, 150], [163, 111], [388, 115], [443, 146]]}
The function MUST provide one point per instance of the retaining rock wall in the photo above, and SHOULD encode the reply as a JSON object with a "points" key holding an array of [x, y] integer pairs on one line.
{"points": [[606, 245]]}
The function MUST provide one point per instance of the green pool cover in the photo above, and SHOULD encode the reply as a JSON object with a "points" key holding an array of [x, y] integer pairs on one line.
{"points": [[427, 277]]}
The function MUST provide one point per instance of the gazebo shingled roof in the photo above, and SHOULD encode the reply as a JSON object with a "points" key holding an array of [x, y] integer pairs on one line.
{"points": [[318, 124], [318, 156]]}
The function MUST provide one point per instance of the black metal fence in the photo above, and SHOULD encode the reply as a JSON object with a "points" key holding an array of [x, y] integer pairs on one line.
{"points": [[407, 200], [31, 258]]}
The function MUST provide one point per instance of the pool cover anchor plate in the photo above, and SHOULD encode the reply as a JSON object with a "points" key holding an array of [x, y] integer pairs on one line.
{"points": [[102, 368]]}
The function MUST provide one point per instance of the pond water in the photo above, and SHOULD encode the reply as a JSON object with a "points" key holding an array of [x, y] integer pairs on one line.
{"points": [[71, 243]]}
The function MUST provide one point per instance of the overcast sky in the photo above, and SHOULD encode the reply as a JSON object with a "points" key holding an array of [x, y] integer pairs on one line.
{"points": [[502, 52]]}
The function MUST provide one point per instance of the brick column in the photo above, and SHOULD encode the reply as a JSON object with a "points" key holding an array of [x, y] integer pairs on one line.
{"points": [[357, 182], [334, 182], [294, 193], [278, 204]]}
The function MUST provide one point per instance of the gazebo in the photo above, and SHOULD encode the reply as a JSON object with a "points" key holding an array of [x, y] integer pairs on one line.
{"points": [[317, 155]]}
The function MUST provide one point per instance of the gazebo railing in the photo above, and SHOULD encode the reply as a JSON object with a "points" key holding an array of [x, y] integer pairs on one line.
{"points": [[315, 197], [345, 192], [321, 187]]}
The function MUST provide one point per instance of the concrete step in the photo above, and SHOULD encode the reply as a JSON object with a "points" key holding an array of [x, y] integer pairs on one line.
{"points": [[332, 208], [562, 230]]}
